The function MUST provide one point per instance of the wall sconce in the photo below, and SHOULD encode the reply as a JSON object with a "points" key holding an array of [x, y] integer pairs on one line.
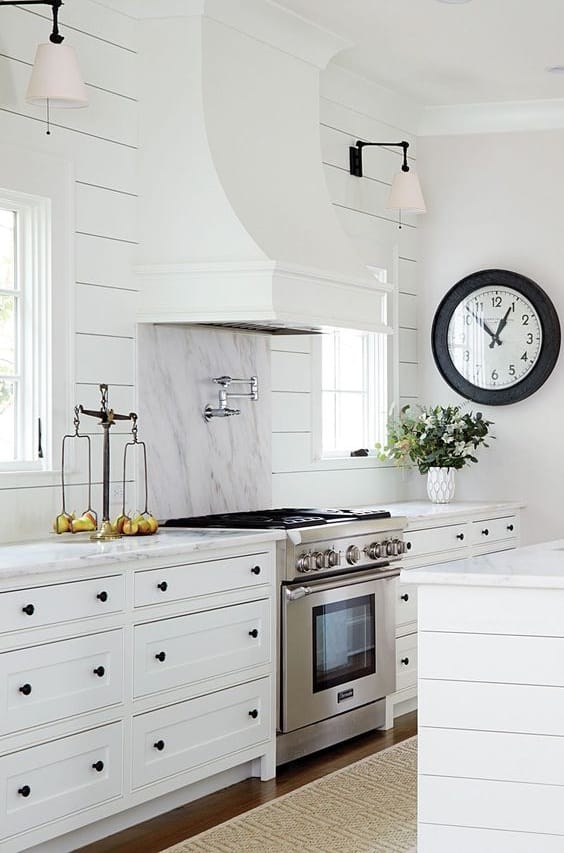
{"points": [[55, 79], [405, 193]]}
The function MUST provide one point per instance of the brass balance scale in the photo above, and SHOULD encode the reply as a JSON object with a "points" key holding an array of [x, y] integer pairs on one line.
{"points": [[142, 524]]}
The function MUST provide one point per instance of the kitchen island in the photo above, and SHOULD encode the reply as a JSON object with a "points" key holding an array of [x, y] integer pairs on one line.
{"points": [[491, 702]]}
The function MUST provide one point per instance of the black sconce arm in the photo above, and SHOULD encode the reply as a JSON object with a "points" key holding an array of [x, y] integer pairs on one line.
{"points": [[355, 154], [55, 36]]}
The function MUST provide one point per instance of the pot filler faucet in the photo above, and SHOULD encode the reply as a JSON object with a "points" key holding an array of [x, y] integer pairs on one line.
{"points": [[223, 410]]}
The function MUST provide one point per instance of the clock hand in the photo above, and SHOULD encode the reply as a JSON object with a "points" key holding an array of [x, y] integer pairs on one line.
{"points": [[501, 326], [482, 323]]}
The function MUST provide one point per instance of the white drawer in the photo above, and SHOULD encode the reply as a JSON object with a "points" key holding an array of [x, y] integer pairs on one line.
{"points": [[406, 661], [56, 680], [47, 782], [494, 530], [193, 648], [436, 539], [406, 604], [62, 602], [193, 734], [158, 586], [432, 838]]}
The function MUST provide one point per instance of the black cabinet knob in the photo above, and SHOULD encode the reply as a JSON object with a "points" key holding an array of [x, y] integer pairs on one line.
{"points": [[253, 713], [405, 661], [102, 596], [511, 528], [98, 766], [29, 609], [408, 545], [161, 656], [256, 570], [25, 689], [24, 791], [99, 671], [160, 745], [253, 633], [163, 586], [404, 597], [485, 532], [460, 536]]}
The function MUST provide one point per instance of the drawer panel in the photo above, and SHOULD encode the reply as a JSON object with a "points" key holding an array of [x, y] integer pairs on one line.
{"points": [[406, 604], [489, 657], [465, 839], [191, 734], [436, 539], [193, 648], [60, 778], [406, 661], [57, 680], [494, 530], [159, 586], [62, 602]]}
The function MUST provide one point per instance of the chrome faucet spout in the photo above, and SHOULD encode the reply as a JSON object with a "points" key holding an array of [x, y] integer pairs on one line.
{"points": [[225, 412]]}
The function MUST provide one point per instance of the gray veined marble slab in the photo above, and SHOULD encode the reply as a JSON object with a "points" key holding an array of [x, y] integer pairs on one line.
{"points": [[198, 467]]}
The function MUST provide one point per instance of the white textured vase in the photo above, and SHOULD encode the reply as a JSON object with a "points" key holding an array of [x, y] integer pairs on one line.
{"points": [[440, 485]]}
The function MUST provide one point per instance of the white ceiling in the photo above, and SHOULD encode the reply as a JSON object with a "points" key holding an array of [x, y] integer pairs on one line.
{"points": [[440, 53]]}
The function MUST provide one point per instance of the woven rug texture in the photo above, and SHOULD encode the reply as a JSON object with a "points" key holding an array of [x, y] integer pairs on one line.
{"points": [[367, 807]]}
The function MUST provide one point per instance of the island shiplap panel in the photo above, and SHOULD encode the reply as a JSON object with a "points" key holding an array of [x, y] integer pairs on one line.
{"points": [[360, 206], [100, 142]]}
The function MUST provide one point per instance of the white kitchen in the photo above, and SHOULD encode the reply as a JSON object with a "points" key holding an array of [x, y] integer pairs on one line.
{"points": [[281, 546]]}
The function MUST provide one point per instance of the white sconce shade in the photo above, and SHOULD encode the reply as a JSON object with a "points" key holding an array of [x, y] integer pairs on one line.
{"points": [[56, 78], [406, 194]]}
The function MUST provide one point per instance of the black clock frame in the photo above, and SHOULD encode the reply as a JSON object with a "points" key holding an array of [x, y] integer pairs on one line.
{"points": [[550, 346]]}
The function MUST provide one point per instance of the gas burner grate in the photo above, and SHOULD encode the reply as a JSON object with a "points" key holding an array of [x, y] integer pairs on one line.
{"points": [[284, 518]]}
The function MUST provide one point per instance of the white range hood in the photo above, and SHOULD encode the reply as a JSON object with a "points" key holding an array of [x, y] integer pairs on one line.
{"points": [[237, 226]]}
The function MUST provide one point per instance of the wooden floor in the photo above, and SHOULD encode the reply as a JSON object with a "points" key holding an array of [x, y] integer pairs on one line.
{"points": [[168, 829]]}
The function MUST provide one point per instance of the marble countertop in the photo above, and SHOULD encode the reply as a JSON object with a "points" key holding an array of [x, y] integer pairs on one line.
{"points": [[68, 552], [538, 566], [425, 511]]}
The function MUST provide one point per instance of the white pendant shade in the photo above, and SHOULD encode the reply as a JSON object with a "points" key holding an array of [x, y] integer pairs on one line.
{"points": [[406, 194], [56, 78]]}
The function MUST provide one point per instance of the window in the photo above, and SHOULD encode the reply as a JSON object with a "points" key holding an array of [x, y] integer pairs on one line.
{"points": [[23, 329], [354, 391]]}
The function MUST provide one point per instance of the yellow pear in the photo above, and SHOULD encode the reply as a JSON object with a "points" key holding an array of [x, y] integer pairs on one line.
{"points": [[62, 523], [153, 523], [119, 522], [130, 527]]}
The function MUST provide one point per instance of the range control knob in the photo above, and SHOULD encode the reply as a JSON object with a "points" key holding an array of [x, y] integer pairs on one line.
{"points": [[353, 555], [392, 548], [331, 558], [375, 550], [303, 563], [317, 561]]}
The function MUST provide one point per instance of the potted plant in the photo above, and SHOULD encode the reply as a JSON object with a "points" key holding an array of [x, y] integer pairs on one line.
{"points": [[439, 440]]}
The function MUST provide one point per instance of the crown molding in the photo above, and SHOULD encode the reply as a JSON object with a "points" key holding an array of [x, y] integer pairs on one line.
{"points": [[497, 117]]}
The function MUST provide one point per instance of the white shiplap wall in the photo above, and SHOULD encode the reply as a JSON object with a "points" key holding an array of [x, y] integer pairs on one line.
{"points": [[350, 110], [100, 143]]}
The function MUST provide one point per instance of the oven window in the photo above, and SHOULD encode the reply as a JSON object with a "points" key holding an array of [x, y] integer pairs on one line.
{"points": [[343, 642]]}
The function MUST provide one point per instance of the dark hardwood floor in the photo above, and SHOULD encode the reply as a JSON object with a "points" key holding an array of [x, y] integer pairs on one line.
{"points": [[156, 835]]}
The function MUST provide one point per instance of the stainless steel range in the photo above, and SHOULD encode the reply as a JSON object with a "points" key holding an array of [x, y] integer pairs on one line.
{"points": [[337, 571]]}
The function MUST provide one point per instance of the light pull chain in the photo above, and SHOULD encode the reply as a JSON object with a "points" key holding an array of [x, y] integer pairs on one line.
{"points": [[48, 118]]}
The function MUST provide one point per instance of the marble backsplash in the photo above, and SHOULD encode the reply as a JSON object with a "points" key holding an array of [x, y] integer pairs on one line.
{"points": [[198, 467]]}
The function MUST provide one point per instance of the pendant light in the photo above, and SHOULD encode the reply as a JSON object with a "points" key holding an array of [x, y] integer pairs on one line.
{"points": [[405, 193], [55, 79]]}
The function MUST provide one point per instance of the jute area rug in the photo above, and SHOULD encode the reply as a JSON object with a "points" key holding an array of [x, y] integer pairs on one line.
{"points": [[368, 807]]}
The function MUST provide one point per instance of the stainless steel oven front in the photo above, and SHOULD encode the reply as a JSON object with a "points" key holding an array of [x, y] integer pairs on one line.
{"points": [[338, 645]]}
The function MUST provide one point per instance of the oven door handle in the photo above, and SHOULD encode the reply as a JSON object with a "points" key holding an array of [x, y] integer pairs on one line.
{"points": [[341, 581]]}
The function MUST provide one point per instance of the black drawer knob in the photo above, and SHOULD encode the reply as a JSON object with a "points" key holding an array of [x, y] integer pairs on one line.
{"points": [[99, 671], [25, 689], [163, 586], [160, 745], [511, 528], [408, 546], [253, 633], [405, 661], [253, 713], [404, 597], [161, 656], [485, 532], [102, 596], [24, 791], [256, 570], [29, 609], [98, 766], [460, 536]]}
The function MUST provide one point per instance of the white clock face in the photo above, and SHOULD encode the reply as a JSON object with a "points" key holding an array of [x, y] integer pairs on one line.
{"points": [[494, 337]]}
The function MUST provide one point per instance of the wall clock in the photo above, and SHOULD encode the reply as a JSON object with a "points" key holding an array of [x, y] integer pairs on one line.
{"points": [[496, 337]]}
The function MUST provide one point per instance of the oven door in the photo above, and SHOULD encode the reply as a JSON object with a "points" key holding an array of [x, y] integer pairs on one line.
{"points": [[338, 646]]}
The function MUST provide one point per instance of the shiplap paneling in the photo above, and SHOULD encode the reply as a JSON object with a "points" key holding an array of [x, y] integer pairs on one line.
{"points": [[106, 213], [104, 358], [102, 261], [291, 412], [103, 310], [291, 371], [407, 311]]}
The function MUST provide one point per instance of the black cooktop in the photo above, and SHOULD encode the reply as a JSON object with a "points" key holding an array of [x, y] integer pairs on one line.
{"points": [[283, 518]]}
